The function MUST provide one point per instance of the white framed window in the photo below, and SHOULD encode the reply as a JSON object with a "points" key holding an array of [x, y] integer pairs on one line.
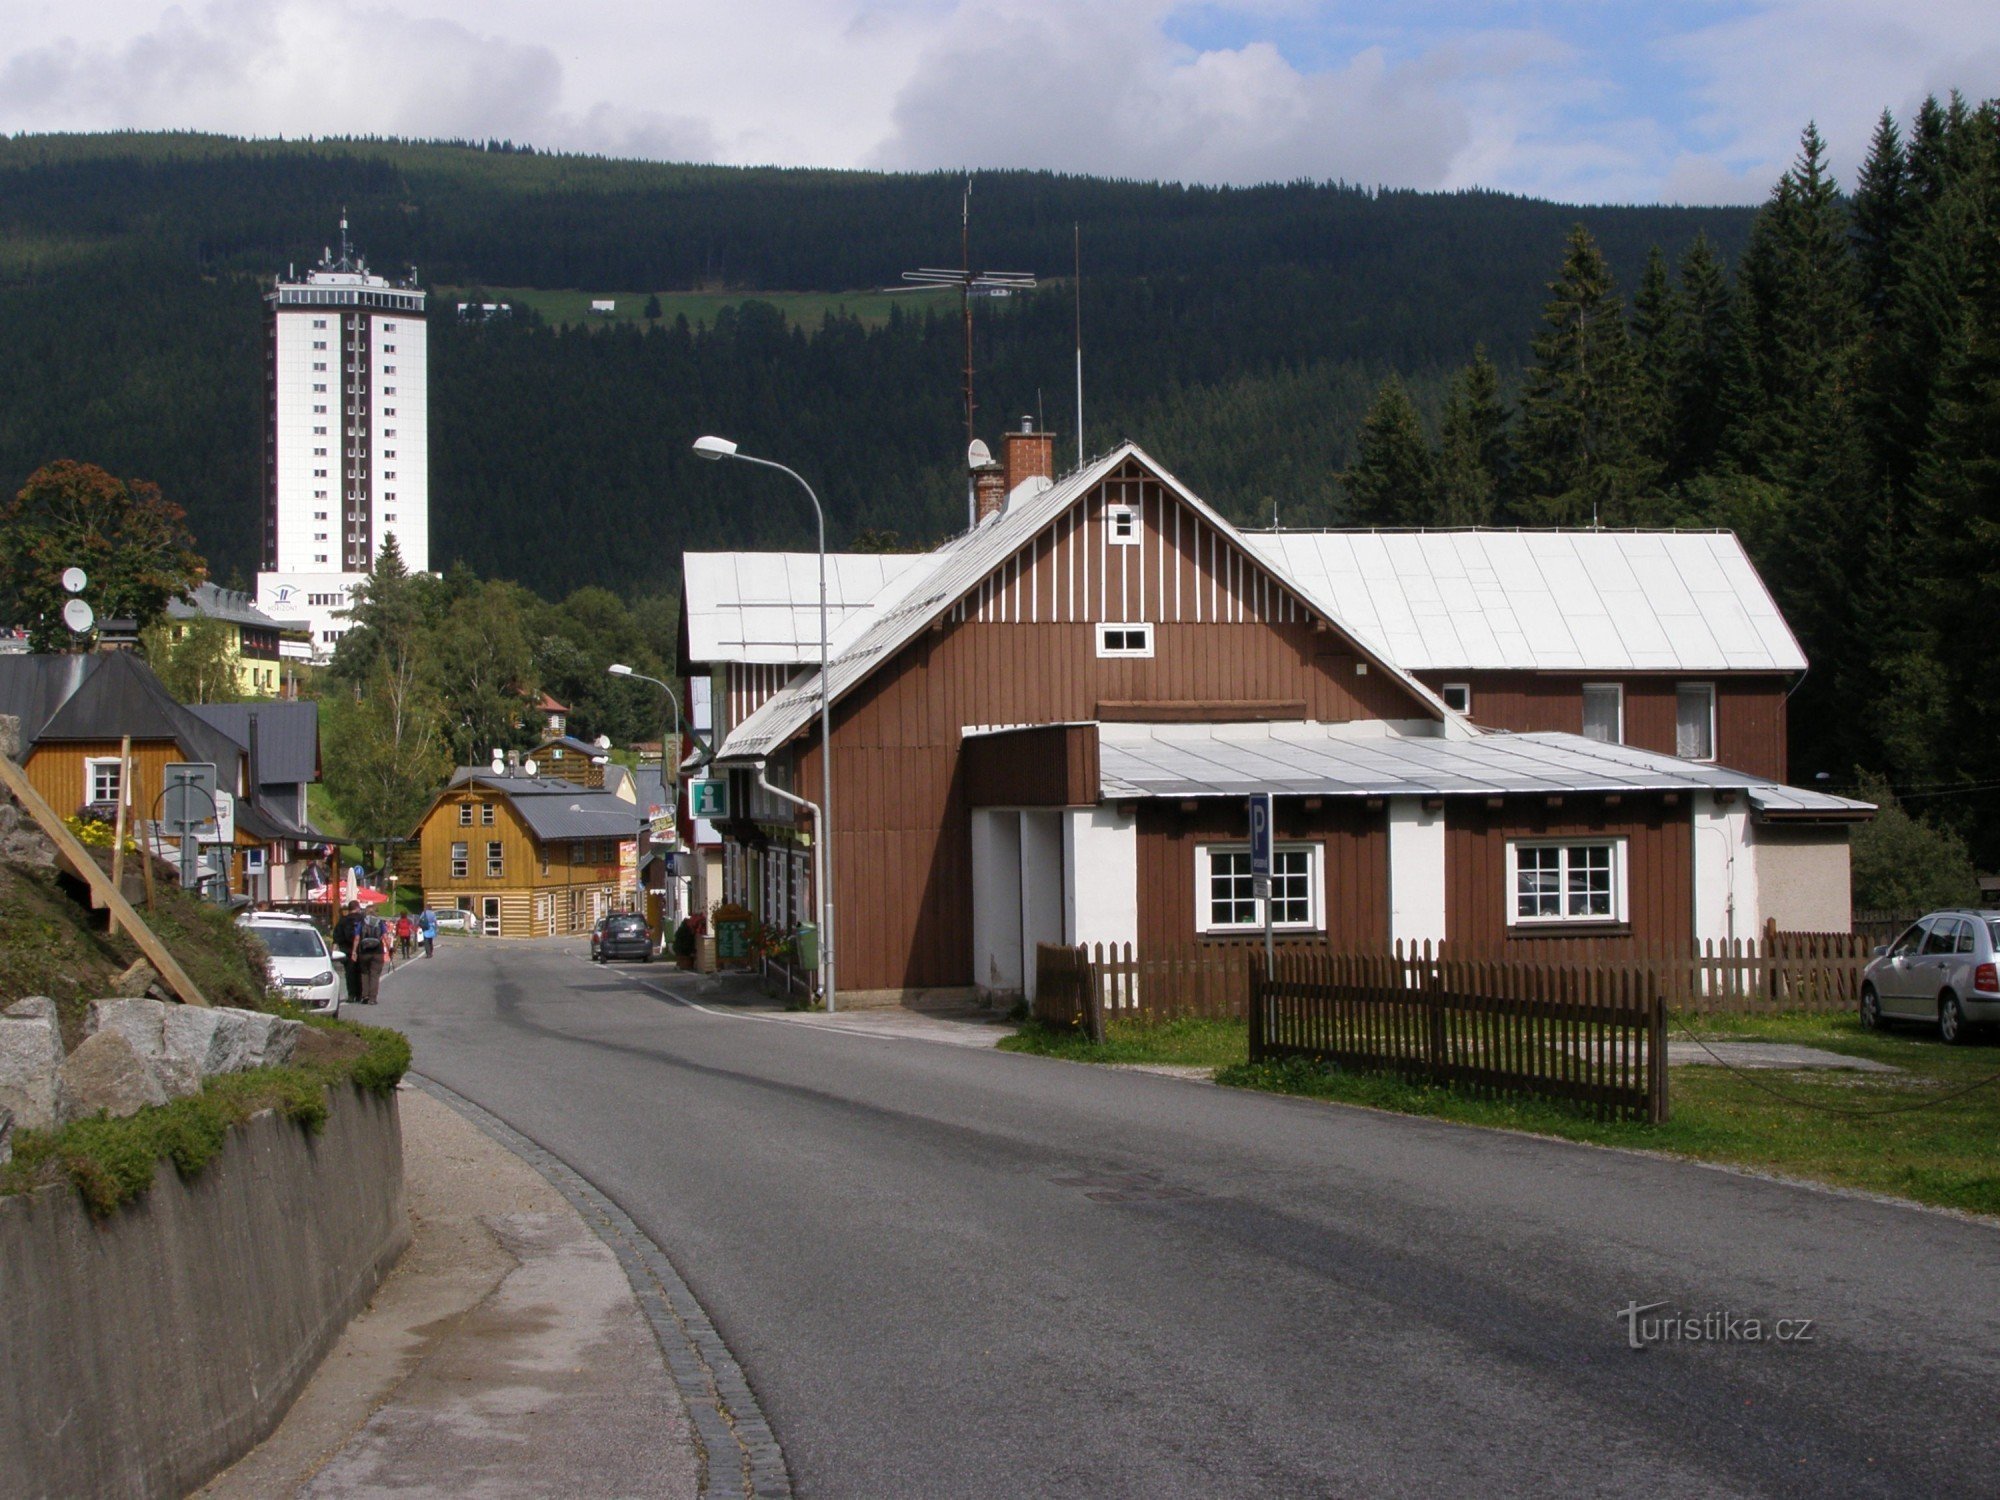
{"points": [[1694, 721], [389, 411], [390, 518], [320, 558], [465, 815], [319, 323], [1604, 712], [461, 861], [1123, 526], [319, 390], [1551, 882], [486, 814], [319, 411], [319, 453], [1125, 640], [496, 860], [388, 327], [1225, 897], [389, 453], [100, 779], [1457, 696], [320, 366], [319, 515]]}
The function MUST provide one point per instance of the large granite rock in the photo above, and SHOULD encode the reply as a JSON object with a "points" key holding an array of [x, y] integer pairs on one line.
{"points": [[183, 1044], [143, 1023], [32, 1008], [30, 1054], [105, 1075]]}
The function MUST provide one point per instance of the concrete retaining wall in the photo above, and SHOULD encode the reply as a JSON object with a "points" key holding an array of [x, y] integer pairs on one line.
{"points": [[141, 1353]]}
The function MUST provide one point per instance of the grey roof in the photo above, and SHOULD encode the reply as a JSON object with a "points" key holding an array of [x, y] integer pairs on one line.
{"points": [[287, 736], [214, 603], [957, 568], [764, 606], [1233, 760], [557, 809], [101, 696], [1669, 601]]}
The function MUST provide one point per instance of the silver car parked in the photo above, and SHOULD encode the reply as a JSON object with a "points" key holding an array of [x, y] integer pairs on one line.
{"points": [[1944, 970]]}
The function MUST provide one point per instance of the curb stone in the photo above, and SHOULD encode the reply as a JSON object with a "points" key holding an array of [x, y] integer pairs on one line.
{"points": [[721, 1407]]}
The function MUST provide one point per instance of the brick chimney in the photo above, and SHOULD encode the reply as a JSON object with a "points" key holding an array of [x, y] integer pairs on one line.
{"points": [[1029, 454], [989, 492]]}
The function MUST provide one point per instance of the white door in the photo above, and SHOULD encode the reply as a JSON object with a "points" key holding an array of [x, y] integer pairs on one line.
{"points": [[489, 915]]}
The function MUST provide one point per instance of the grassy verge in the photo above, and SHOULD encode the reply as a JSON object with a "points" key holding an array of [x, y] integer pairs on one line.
{"points": [[1901, 1133], [111, 1162]]}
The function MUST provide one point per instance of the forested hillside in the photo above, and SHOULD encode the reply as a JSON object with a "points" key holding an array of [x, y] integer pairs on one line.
{"points": [[1238, 332]]}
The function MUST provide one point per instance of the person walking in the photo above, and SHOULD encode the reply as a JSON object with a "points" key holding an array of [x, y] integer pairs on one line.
{"points": [[427, 929], [406, 934], [346, 934], [369, 949]]}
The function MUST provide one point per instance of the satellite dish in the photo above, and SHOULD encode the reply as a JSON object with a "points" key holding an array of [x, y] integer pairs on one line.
{"points": [[529, 765], [604, 742], [73, 580], [499, 765], [79, 616], [978, 455]]}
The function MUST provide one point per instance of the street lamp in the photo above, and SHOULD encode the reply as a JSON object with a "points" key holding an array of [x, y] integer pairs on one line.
{"points": [[720, 448], [669, 775]]}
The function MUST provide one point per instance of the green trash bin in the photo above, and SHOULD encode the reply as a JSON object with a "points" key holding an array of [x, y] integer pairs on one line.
{"points": [[805, 946]]}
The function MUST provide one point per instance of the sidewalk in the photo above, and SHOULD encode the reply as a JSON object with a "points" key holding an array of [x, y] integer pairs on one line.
{"points": [[958, 1023], [506, 1355]]}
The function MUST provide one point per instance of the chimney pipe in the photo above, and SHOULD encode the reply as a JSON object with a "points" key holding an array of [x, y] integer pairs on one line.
{"points": [[989, 492], [1028, 455]]}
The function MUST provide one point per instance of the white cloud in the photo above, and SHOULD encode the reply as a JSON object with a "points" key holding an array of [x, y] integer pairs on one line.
{"points": [[1652, 99]]}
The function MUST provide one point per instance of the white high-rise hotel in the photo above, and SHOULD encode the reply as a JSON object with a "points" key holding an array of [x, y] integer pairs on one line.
{"points": [[347, 438]]}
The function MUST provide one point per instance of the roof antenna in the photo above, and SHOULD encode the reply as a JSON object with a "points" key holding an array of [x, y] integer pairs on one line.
{"points": [[343, 236], [1076, 228]]}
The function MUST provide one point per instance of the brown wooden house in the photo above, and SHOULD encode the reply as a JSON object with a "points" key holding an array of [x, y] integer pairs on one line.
{"points": [[1048, 732]]}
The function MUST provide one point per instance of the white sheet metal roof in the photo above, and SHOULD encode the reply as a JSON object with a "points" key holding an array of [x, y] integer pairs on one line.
{"points": [[1550, 601], [764, 606], [1233, 760], [957, 568]]}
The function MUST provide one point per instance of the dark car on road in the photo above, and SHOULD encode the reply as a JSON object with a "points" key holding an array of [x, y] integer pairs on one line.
{"points": [[622, 935]]}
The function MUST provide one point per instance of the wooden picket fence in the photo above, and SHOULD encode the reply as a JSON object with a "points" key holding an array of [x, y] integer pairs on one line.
{"points": [[1085, 986], [1593, 1035]]}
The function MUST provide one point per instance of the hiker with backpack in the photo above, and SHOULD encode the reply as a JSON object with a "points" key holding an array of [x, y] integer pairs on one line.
{"points": [[406, 934], [360, 940], [427, 931]]}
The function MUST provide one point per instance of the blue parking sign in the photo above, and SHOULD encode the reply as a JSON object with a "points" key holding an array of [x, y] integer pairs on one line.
{"points": [[1260, 834]]}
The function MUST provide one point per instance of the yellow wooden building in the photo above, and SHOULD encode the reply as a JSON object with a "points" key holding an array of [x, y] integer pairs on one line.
{"points": [[528, 856]]}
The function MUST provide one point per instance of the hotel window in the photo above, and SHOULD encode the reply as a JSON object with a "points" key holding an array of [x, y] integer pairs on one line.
{"points": [[319, 411], [1124, 640], [320, 366], [320, 495], [1604, 712], [461, 861], [388, 473], [1555, 882], [319, 473], [1124, 526], [389, 518], [496, 864], [319, 453], [319, 432], [389, 494], [1225, 893], [388, 327], [320, 558], [389, 411], [388, 452], [319, 322], [465, 815], [390, 431], [486, 813], [319, 515], [1694, 721], [1457, 696], [388, 369], [388, 348], [319, 390], [319, 536], [100, 780]]}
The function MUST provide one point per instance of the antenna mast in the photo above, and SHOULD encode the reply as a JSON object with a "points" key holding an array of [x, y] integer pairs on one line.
{"points": [[970, 284], [1077, 230]]}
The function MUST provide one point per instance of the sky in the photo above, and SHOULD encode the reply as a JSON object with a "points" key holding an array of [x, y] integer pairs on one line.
{"points": [[1582, 101]]}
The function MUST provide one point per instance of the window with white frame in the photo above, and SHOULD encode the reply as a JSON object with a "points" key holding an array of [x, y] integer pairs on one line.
{"points": [[1124, 526], [1694, 721], [1225, 895], [486, 813], [461, 861], [1457, 696], [1556, 881], [465, 815], [496, 861], [100, 779], [1604, 712], [1125, 640]]}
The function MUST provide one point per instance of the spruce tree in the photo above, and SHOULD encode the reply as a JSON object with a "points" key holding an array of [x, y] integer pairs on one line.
{"points": [[1393, 479], [1694, 397], [1472, 446], [1579, 455], [1660, 351], [1880, 206]]}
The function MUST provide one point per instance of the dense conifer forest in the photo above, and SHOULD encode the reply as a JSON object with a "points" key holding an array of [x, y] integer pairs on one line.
{"points": [[1821, 375]]}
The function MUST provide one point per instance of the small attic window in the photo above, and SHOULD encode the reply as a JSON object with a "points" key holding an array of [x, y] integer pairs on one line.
{"points": [[1125, 640], [1457, 696], [1124, 526]]}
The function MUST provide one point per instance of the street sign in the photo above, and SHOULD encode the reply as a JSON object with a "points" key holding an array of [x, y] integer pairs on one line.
{"points": [[187, 799], [1260, 840], [709, 796], [225, 818]]}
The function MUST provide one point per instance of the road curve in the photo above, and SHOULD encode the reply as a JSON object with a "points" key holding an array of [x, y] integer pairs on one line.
{"points": [[951, 1271]]}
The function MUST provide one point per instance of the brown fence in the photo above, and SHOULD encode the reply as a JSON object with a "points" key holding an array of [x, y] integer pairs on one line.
{"points": [[1087, 985], [1812, 971], [1592, 1035]]}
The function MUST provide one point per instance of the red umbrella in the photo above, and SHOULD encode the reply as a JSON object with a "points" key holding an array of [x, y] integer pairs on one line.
{"points": [[367, 895]]}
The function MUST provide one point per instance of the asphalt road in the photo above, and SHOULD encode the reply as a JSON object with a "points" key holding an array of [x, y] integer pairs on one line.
{"points": [[951, 1271]]}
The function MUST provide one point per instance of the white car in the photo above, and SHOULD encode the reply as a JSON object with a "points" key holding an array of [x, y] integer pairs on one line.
{"points": [[302, 965], [451, 919]]}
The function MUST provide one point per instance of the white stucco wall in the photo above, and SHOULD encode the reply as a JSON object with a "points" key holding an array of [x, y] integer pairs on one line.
{"points": [[1416, 872], [1725, 871], [1041, 888], [1100, 876], [1804, 878]]}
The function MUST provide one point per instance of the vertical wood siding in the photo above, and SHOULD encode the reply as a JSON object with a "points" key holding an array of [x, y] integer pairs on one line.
{"points": [[1659, 864], [1750, 723], [1022, 649], [1354, 843]]}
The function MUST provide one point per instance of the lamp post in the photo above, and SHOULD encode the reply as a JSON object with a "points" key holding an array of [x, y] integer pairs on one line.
{"points": [[669, 775], [720, 448]]}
